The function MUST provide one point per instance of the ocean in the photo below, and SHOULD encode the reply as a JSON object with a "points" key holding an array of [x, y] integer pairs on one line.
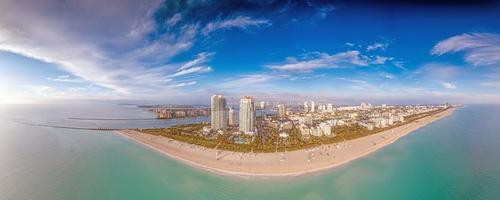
{"points": [[453, 158]]}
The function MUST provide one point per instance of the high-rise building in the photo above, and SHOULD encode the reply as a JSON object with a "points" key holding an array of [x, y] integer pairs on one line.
{"points": [[281, 110], [230, 117], [247, 115], [262, 105], [306, 108], [218, 115], [313, 107], [329, 107]]}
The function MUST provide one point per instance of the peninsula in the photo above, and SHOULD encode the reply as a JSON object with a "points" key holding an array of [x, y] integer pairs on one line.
{"points": [[303, 147]]}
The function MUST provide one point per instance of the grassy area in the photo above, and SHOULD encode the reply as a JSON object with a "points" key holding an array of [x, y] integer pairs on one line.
{"points": [[269, 142]]}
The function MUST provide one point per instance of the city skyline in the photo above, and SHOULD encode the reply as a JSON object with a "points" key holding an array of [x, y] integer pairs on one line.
{"points": [[169, 51]]}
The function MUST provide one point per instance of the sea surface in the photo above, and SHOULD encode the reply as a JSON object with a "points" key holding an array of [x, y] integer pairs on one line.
{"points": [[457, 157]]}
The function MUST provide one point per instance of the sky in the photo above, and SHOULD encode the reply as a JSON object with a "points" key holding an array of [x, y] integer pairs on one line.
{"points": [[342, 52]]}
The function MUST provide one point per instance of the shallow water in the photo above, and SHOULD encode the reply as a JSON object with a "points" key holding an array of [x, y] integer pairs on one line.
{"points": [[454, 158]]}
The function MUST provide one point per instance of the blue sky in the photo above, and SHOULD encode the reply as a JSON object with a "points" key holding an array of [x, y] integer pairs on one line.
{"points": [[183, 51]]}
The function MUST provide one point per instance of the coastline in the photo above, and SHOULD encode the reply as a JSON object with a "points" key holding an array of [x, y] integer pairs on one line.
{"points": [[278, 164]]}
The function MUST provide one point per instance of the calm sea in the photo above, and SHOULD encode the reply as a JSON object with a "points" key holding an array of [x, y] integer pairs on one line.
{"points": [[455, 158]]}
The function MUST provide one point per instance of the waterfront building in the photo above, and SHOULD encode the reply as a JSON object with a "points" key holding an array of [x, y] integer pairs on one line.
{"points": [[390, 121], [326, 129], [180, 114], [218, 112], [368, 126], [192, 113], [262, 105], [247, 115], [230, 117], [281, 110], [329, 108], [305, 131]]}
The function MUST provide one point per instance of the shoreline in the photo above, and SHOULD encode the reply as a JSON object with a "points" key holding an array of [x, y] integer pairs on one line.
{"points": [[278, 164]]}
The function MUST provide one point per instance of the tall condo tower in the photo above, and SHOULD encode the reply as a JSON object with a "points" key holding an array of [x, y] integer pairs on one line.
{"points": [[247, 115], [281, 110], [230, 117], [218, 109], [313, 107]]}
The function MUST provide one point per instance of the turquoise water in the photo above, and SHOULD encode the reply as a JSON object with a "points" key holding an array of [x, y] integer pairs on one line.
{"points": [[454, 158]]}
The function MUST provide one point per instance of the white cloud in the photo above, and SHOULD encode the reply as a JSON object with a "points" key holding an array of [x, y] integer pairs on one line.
{"points": [[377, 46], [40, 92], [353, 80], [398, 64], [317, 60], [380, 60], [201, 58], [250, 80], [448, 85], [192, 70], [184, 84], [65, 78], [439, 71], [492, 84], [322, 61], [237, 22], [387, 75], [479, 48], [174, 19], [108, 48], [360, 85]]}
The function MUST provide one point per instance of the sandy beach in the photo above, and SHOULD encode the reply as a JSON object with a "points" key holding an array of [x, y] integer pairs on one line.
{"points": [[290, 163]]}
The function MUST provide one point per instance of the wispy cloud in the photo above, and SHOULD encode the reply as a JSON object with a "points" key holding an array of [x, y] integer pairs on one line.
{"points": [[65, 78], [184, 84], [174, 19], [491, 84], [398, 64], [380, 60], [237, 22], [479, 48], [320, 61], [438, 71], [200, 59], [353, 80], [317, 60], [251, 80], [94, 48], [360, 85], [349, 44], [196, 66], [448, 85], [120, 50], [387, 75], [377, 46], [192, 70]]}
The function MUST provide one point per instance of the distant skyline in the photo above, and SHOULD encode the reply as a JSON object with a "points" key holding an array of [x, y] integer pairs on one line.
{"points": [[185, 51]]}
